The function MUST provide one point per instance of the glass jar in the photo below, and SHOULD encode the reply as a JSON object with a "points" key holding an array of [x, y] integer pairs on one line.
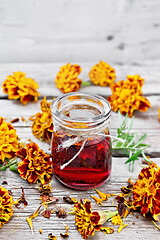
{"points": [[81, 146]]}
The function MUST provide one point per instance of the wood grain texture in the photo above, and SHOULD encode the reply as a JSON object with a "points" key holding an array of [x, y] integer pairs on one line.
{"points": [[139, 228], [126, 31]]}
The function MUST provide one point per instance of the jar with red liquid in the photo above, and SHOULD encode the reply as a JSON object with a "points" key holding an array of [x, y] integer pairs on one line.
{"points": [[81, 145]]}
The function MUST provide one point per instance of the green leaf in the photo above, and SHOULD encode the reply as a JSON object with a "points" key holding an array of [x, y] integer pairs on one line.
{"points": [[140, 140], [134, 156]]}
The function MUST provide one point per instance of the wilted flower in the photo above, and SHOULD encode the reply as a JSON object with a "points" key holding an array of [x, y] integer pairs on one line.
{"points": [[67, 78], [102, 74], [42, 126], [17, 86], [35, 164], [146, 191], [6, 210], [87, 221], [21, 200], [8, 140], [127, 96]]}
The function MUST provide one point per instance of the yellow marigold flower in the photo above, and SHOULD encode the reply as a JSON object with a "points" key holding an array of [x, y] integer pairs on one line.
{"points": [[146, 191], [67, 78], [6, 210], [35, 164], [8, 140], [102, 74], [86, 220], [127, 96], [42, 126], [17, 86]]}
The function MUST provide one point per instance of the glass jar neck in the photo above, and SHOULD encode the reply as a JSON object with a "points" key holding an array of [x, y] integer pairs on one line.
{"points": [[81, 113]]}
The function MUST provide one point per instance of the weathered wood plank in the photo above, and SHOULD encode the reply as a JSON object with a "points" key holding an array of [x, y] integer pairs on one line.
{"points": [[70, 31], [17, 228], [148, 122]]}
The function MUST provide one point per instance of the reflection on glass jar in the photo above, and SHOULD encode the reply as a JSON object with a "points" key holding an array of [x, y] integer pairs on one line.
{"points": [[81, 146]]}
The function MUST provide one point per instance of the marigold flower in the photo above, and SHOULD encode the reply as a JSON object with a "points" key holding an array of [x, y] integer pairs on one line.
{"points": [[127, 96], [42, 126], [146, 191], [35, 164], [17, 86], [102, 74], [8, 140], [67, 78], [86, 220], [6, 210]]}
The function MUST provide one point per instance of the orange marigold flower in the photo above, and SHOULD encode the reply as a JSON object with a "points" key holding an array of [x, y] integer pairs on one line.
{"points": [[17, 86], [6, 210], [102, 74], [42, 126], [86, 220], [8, 140], [127, 96], [146, 191], [67, 78], [35, 164]]}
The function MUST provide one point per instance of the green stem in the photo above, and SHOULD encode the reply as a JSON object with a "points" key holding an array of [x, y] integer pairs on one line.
{"points": [[86, 83], [14, 168], [3, 168]]}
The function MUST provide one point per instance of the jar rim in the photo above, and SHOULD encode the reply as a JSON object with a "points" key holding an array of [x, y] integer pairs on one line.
{"points": [[92, 121]]}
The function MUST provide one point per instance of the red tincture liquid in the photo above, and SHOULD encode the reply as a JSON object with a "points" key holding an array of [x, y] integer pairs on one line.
{"points": [[91, 168]]}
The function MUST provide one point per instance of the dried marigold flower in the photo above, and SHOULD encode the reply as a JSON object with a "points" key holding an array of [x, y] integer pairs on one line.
{"points": [[102, 74], [108, 230], [8, 140], [42, 126], [34, 215], [21, 200], [17, 86], [6, 210], [146, 191], [69, 200], [128, 97], [35, 164], [103, 197], [67, 78], [51, 237], [61, 212], [86, 220], [117, 220], [65, 235]]}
